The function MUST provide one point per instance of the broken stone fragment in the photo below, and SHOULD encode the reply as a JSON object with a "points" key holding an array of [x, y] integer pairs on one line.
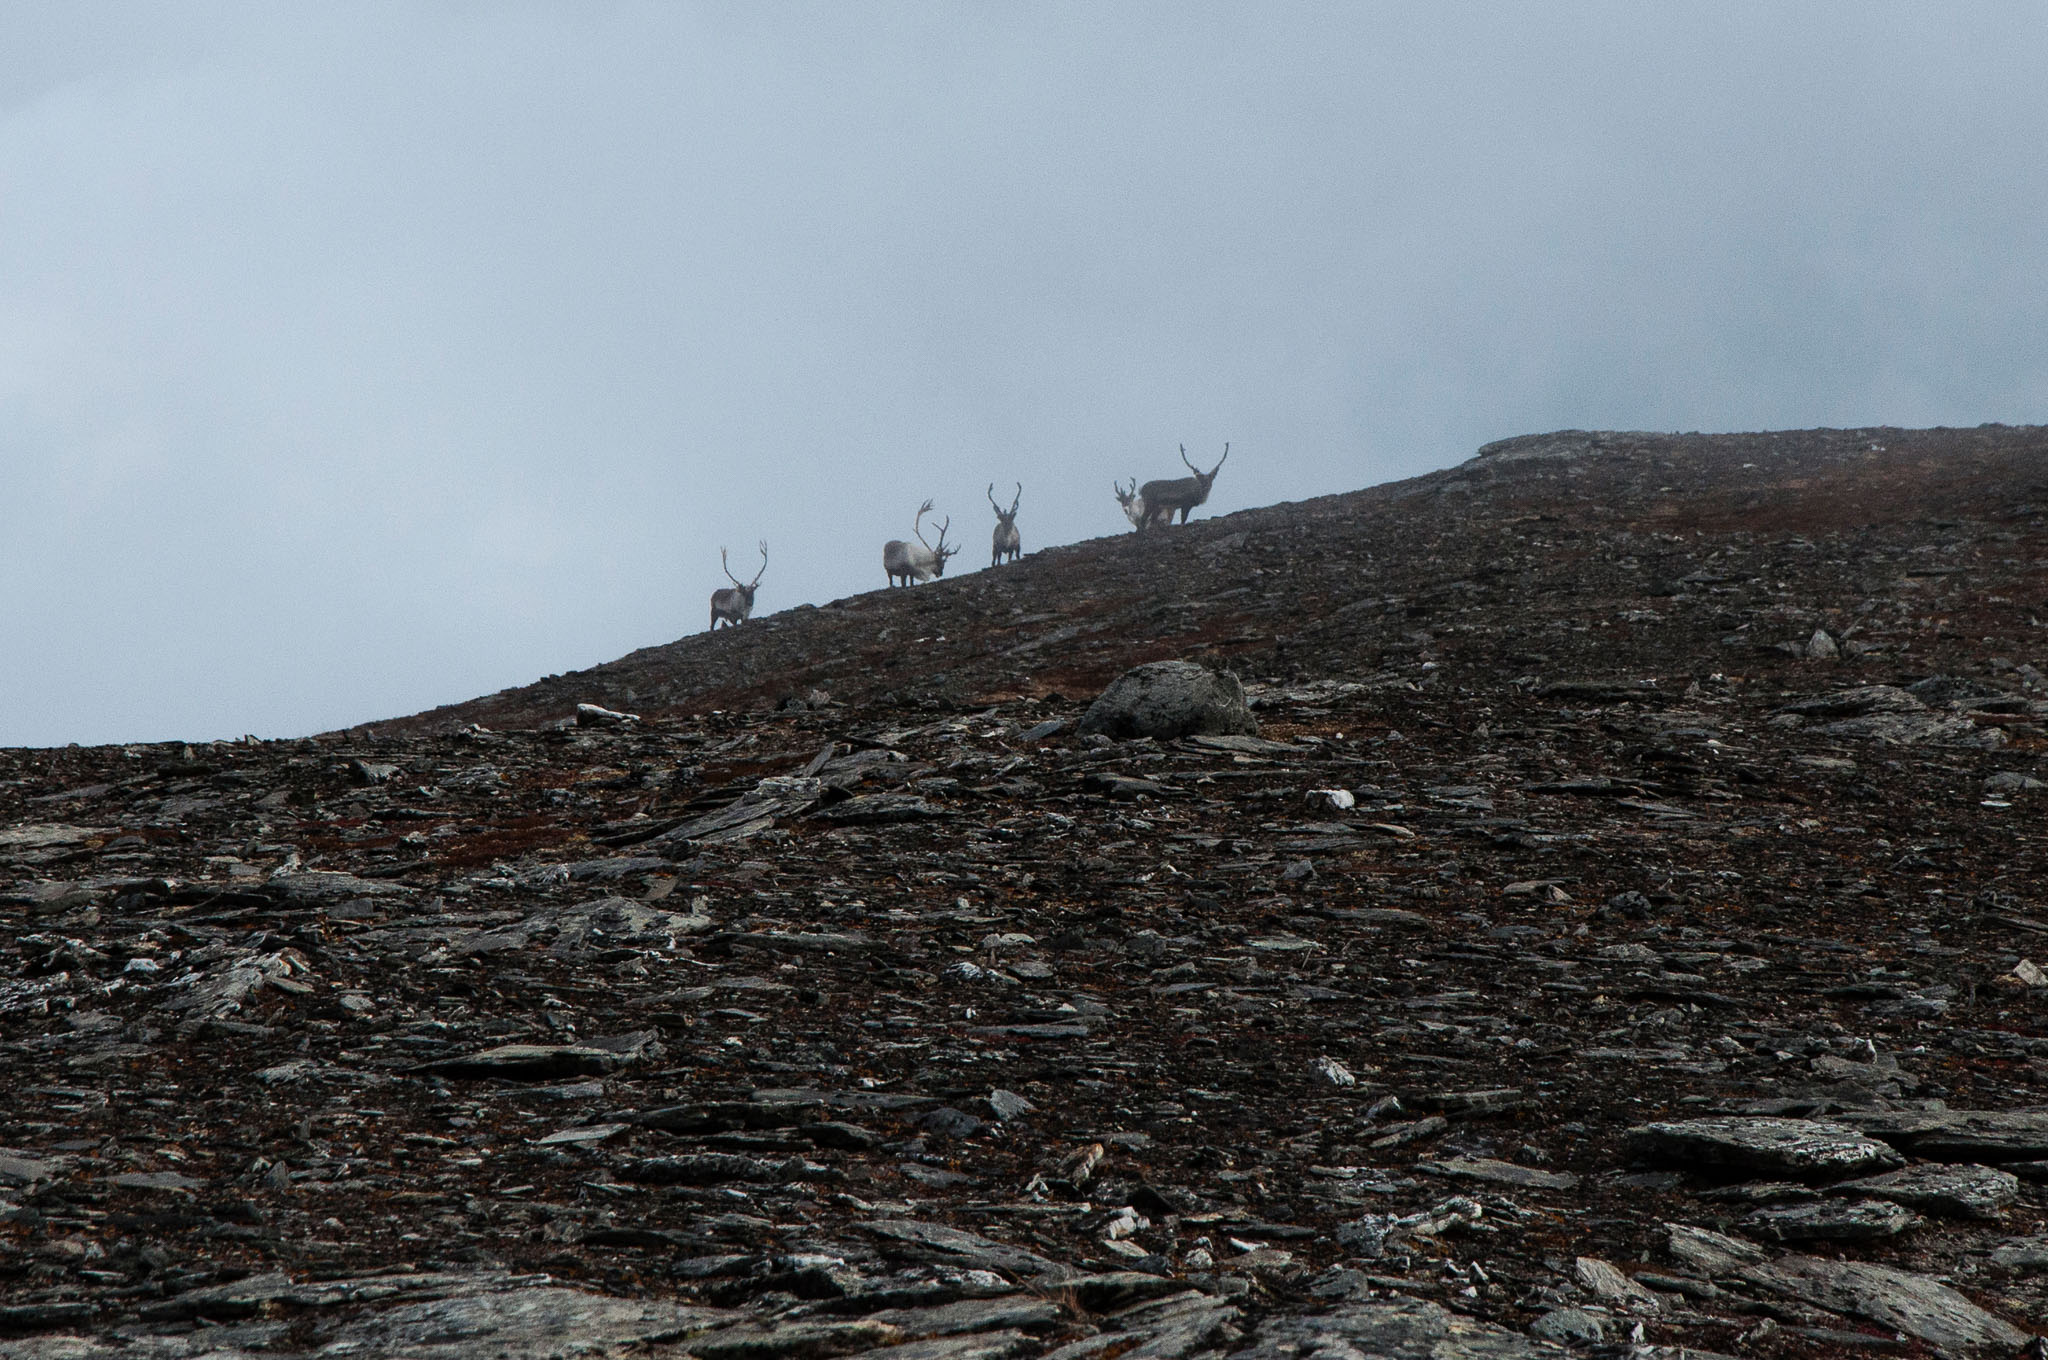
{"points": [[547, 1062], [1711, 1252], [1800, 1147], [1500, 1173], [1957, 1191], [1604, 1280], [1832, 1220], [591, 715], [1899, 1299]]}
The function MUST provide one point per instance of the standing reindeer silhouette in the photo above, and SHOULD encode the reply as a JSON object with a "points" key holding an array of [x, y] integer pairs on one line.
{"points": [[920, 561], [1008, 542], [735, 603], [1162, 498]]}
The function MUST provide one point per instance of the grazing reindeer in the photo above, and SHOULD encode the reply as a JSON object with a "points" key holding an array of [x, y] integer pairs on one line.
{"points": [[922, 561], [735, 603], [1162, 498], [1008, 542], [1132, 502]]}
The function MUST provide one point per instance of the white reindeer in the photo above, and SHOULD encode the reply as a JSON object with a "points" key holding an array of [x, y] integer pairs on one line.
{"points": [[1008, 542], [1132, 502], [920, 561]]}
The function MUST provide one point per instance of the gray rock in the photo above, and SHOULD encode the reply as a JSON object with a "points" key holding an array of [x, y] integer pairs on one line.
{"points": [[538, 1323], [1898, 1299], [2021, 1253], [1961, 1135], [1017, 1312], [1400, 1329], [1007, 1105], [972, 1346], [876, 809], [1570, 1327], [1604, 1280], [952, 1246], [1802, 1147], [717, 1168], [546, 1062], [2012, 781], [1500, 1173], [1864, 1220], [1176, 1325], [795, 1340], [321, 886], [1709, 1252], [1957, 1191], [1167, 699]]}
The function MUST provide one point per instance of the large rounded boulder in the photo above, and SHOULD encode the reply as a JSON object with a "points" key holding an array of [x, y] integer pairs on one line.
{"points": [[1168, 699]]}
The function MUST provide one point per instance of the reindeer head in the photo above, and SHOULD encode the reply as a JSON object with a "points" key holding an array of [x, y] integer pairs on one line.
{"points": [[939, 551], [1006, 519], [748, 588], [1209, 477], [1134, 509]]}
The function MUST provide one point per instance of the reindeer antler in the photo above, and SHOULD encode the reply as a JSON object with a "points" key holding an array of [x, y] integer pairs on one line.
{"points": [[726, 567], [917, 525], [1018, 501], [992, 499], [764, 565], [942, 550], [1219, 462], [1184, 459]]}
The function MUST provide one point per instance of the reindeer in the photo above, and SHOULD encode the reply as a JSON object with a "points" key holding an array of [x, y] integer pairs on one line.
{"points": [[1162, 498], [1007, 540], [924, 561], [1132, 502], [735, 603]]}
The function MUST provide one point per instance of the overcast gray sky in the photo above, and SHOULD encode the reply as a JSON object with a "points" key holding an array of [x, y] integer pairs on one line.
{"points": [[356, 359]]}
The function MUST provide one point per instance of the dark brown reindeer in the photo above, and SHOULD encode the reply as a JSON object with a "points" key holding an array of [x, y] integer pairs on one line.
{"points": [[921, 561], [1008, 542], [1162, 498], [735, 602]]}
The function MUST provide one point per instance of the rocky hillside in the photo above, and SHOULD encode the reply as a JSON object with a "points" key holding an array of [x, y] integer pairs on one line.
{"points": [[1621, 935], [1514, 552]]}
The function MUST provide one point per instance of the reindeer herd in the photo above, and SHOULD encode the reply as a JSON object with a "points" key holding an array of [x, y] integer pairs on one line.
{"points": [[1154, 503]]}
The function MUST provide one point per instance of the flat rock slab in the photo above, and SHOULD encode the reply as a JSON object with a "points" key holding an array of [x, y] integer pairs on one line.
{"points": [[544, 1062], [936, 1242], [321, 886], [972, 1346], [1937, 1188], [2021, 1253], [1898, 1299], [1405, 1329], [1708, 1252], [1832, 1220], [535, 1323], [716, 1168], [1499, 1173], [1799, 1147], [1987, 1136], [1163, 1329], [876, 809], [1014, 1312], [795, 1340]]}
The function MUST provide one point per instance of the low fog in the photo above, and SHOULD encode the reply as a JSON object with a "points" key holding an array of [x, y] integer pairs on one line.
{"points": [[358, 359]]}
